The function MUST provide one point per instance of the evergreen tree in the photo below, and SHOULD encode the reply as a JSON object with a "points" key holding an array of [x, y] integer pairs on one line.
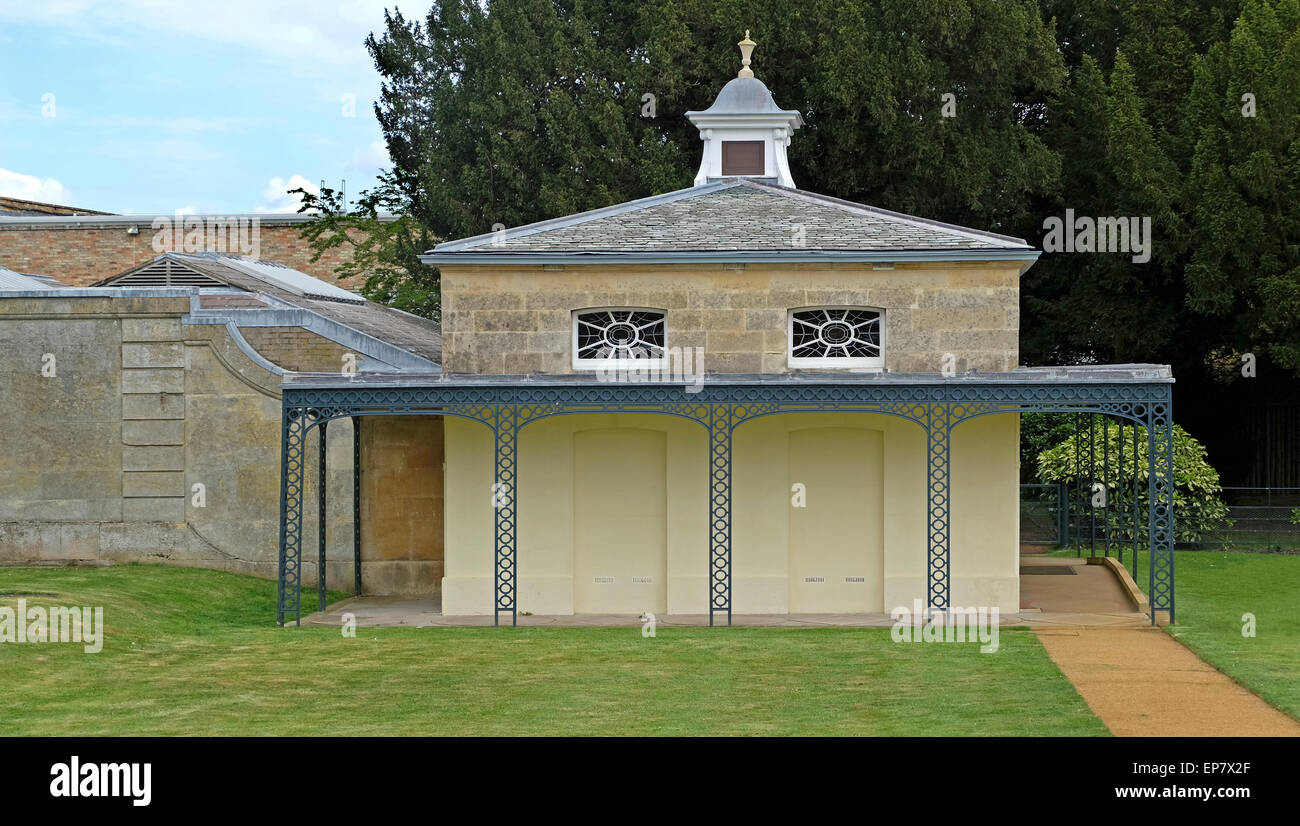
{"points": [[1245, 184], [532, 109]]}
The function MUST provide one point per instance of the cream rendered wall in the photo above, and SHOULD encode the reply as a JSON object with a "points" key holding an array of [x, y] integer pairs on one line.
{"points": [[620, 520], [985, 545], [545, 513], [985, 530], [762, 500], [469, 521], [837, 530]]}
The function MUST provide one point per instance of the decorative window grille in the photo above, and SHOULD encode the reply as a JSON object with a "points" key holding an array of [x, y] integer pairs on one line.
{"points": [[837, 337], [618, 337]]}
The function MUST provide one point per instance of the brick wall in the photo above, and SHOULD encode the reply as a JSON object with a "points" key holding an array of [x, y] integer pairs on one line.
{"points": [[298, 350], [80, 256], [513, 320]]}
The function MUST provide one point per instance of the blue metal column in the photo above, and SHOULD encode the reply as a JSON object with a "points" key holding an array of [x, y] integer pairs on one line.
{"points": [[1137, 534], [1160, 503], [1092, 484], [1062, 515], [504, 560], [321, 504], [1077, 514], [721, 422], [1119, 488], [1105, 481], [356, 504], [289, 595], [938, 433]]}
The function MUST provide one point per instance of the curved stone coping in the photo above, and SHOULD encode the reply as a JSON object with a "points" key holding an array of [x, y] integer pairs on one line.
{"points": [[237, 356], [390, 358]]}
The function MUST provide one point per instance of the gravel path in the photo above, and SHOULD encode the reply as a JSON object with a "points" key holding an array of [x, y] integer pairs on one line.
{"points": [[1144, 683]]}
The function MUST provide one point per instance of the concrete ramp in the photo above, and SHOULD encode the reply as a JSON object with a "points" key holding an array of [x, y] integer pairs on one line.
{"points": [[1067, 591]]}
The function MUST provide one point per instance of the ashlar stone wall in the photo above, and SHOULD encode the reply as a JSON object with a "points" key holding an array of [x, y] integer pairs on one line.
{"points": [[510, 320], [132, 436]]}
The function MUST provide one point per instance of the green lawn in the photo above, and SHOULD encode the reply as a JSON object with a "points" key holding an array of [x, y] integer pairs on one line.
{"points": [[194, 652], [1213, 589]]}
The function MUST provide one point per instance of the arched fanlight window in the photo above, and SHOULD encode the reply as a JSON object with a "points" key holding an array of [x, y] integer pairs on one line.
{"points": [[837, 337], [618, 337]]}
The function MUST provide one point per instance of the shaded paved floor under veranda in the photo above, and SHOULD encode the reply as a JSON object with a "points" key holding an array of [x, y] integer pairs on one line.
{"points": [[1092, 597]]}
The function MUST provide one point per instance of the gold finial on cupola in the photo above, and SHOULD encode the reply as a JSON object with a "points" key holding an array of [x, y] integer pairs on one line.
{"points": [[746, 49]]}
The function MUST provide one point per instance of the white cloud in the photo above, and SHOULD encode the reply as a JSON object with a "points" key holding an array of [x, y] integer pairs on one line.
{"points": [[32, 188], [299, 33], [369, 160], [276, 197]]}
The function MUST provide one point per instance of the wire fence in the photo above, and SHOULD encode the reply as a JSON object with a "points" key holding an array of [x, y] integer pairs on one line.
{"points": [[1259, 519], [1042, 511]]}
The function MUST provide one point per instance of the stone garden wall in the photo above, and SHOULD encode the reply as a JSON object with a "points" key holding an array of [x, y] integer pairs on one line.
{"points": [[129, 435]]}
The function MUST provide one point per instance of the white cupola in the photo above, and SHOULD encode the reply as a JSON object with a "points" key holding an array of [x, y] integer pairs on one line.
{"points": [[745, 133]]}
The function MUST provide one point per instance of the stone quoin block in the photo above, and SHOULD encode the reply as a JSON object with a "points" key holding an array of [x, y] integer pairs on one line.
{"points": [[141, 483], [153, 458], [158, 354], [151, 329], [146, 432], [153, 380], [153, 406]]}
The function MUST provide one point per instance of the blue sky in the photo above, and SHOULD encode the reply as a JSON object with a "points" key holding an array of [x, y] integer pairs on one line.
{"points": [[150, 107]]}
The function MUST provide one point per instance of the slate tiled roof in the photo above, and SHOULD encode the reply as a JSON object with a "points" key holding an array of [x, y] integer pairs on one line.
{"points": [[735, 214], [10, 280], [408, 332]]}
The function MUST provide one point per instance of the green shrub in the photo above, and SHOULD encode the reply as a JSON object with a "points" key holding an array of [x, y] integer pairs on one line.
{"points": [[1198, 507], [1039, 432]]}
